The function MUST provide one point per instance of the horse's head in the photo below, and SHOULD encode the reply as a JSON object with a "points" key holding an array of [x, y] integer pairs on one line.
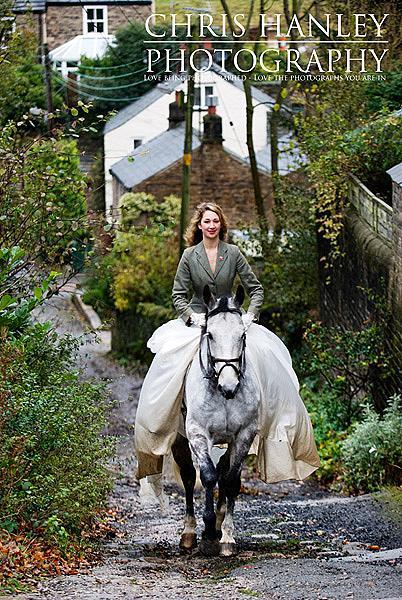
{"points": [[225, 341]]}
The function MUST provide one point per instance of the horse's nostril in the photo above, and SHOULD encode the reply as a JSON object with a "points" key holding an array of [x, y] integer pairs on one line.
{"points": [[227, 393]]}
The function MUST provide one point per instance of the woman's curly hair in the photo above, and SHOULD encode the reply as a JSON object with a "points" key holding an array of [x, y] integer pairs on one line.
{"points": [[193, 234]]}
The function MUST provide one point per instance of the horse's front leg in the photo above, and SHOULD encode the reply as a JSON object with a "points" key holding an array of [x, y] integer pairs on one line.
{"points": [[222, 467], [182, 455], [230, 483], [209, 545]]}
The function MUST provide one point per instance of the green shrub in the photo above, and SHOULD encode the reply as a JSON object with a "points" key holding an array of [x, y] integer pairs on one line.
{"points": [[372, 454], [288, 270], [328, 422], [42, 196], [134, 281], [53, 454], [21, 76], [344, 361], [64, 191], [17, 301]]}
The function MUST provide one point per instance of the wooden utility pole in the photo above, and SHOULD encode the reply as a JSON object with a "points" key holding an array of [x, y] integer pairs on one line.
{"points": [[188, 146], [47, 73], [259, 201]]}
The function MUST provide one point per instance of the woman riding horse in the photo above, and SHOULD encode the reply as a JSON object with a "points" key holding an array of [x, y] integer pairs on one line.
{"points": [[284, 443]]}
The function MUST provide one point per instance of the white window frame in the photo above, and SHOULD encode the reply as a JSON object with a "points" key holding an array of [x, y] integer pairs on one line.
{"points": [[85, 19], [64, 68], [203, 96]]}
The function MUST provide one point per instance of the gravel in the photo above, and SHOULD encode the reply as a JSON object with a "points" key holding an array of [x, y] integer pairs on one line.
{"points": [[296, 541]]}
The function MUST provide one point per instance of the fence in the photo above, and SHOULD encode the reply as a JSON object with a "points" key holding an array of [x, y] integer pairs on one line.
{"points": [[377, 214]]}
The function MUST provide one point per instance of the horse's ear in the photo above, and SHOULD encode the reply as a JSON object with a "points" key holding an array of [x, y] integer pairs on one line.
{"points": [[239, 297], [208, 297]]}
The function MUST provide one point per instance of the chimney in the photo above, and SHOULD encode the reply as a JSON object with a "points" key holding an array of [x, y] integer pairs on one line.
{"points": [[176, 111], [212, 123]]}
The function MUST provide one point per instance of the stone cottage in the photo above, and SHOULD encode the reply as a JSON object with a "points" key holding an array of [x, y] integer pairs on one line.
{"points": [[73, 28], [145, 119], [217, 175], [65, 19]]}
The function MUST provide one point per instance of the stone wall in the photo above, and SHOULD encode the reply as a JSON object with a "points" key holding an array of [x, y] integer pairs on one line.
{"points": [[216, 176], [397, 268], [371, 264], [396, 278], [366, 264], [29, 22], [65, 22]]}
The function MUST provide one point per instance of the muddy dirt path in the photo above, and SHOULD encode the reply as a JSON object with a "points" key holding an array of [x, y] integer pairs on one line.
{"points": [[296, 541]]}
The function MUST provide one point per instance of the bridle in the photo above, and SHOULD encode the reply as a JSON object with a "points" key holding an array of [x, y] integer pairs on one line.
{"points": [[237, 364]]}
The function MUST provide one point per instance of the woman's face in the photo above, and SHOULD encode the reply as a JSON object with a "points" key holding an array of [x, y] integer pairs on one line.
{"points": [[210, 225]]}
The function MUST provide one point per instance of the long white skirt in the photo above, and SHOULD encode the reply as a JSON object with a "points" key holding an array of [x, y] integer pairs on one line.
{"points": [[284, 446]]}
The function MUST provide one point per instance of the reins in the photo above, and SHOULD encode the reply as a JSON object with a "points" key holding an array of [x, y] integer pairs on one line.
{"points": [[210, 371]]}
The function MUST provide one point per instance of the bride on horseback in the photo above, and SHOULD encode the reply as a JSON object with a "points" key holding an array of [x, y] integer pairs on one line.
{"points": [[284, 443]]}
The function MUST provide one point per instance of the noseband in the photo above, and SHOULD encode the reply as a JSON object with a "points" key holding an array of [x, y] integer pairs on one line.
{"points": [[210, 371]]}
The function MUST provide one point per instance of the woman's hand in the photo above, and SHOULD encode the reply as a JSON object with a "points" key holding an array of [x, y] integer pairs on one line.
{"points": [[247, 319], [198, 319]]}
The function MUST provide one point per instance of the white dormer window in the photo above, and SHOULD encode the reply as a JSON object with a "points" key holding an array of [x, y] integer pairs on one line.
{"points": [[201, 93], [95, 19]]}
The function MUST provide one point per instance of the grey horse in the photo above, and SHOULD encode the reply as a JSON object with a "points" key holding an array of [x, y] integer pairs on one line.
{"points": [[220, 407]]}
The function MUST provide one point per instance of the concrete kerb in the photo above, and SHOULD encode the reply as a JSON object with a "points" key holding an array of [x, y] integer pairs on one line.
{"points": [[86, 311]]}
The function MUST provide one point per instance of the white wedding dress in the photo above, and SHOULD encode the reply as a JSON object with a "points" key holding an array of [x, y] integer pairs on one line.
{"points": [[284, 446]]}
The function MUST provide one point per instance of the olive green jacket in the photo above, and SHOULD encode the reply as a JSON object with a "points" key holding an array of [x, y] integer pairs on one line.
{"points": [[194, 272]]}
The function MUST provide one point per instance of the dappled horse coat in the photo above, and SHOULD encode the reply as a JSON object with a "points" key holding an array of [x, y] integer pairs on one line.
{"points": [[284, 445]]}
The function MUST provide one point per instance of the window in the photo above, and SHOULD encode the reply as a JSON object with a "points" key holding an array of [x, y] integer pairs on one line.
{"points": [[137, 142], [66, 68], [201, 94], [95, 19], [197, 96], [209, 91]]}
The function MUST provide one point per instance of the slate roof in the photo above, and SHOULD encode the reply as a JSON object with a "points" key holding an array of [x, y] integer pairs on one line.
{"points": [[133, 109], [256, 93], [156, 155], [37, 6], [159, 154], [396, 173], [169, 86]]}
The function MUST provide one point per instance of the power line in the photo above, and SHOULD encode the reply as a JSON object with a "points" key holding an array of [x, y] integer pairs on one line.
{"points": [[112, 66], [73, 88], [106, 88], [102, 77], [115, 87], [128, 64]]}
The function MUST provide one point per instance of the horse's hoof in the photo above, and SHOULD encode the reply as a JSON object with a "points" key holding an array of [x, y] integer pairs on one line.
{"points": [[210, 547], [188, 541], [228, 549]]}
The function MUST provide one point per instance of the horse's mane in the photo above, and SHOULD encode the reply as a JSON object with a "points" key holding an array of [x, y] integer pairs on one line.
{"points": [[223, 304]]}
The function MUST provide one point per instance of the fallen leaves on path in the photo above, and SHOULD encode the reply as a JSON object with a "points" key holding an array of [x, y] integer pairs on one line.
{"points": [[25, 558], [22, 560]]}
